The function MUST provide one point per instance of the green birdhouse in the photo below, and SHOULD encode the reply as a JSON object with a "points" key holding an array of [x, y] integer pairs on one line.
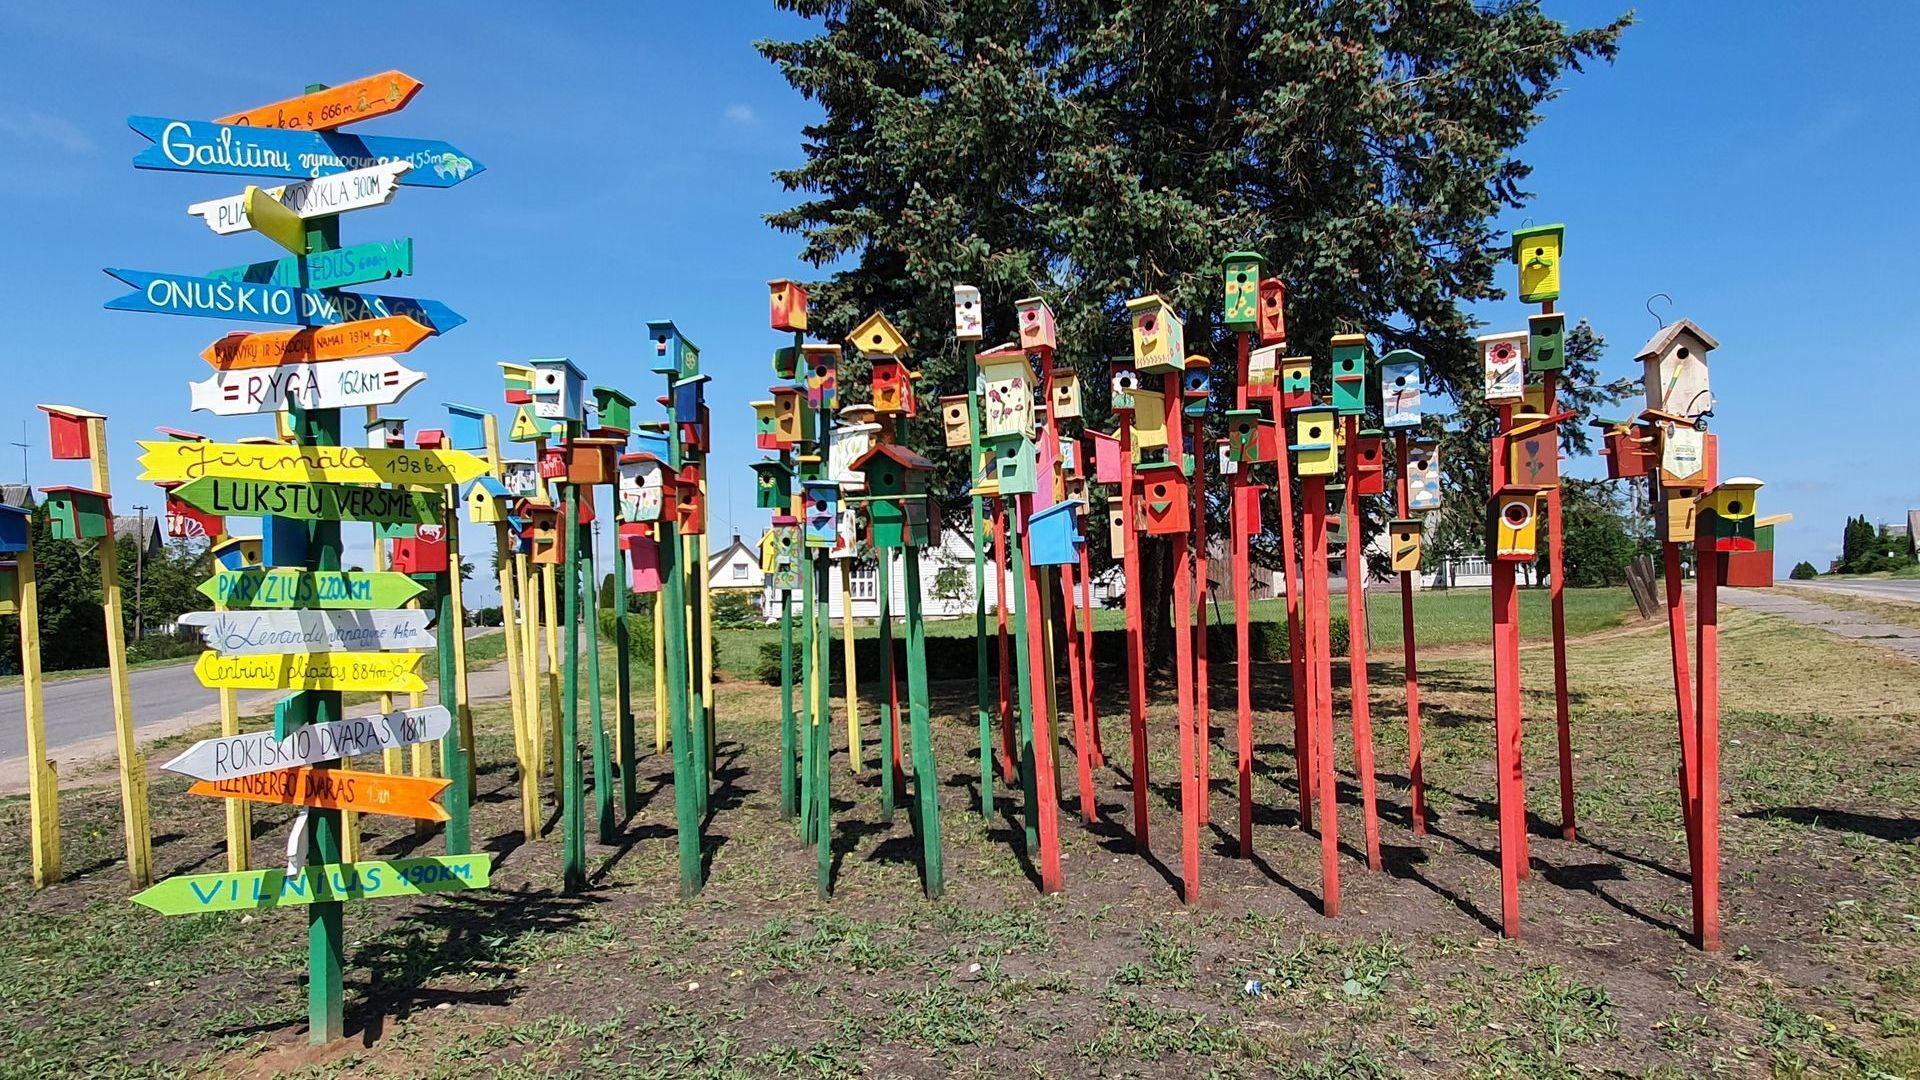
{"points": [[9, 588], [894, 470], [1546, 342], [1350, 374], [1251, 438], [773, 485], [1016, 465], [77, 514], [614, 408], [1242, 274]]}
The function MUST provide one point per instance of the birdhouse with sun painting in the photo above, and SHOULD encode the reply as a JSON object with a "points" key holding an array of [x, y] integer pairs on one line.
{"points": [[1273, 312], [673, 354], [1241, 274], [542, 529], [1503, 359], [1263, 373], [1251, 439], [559, 390], [1537, 252], [1675, 369], [792, 417], [967, 324], [1350, 374], [892, 387], [1016, 465], [1164, 498], [1122, 383], [1053, 534], [387, 433], [1400, 389], [1546, 342], [1423, 476], [75, 513], [1065, 402], [614, 409], [772, 485], [1403, 543], [1006, 394], [822, 512], [1035, 320], [1296, 382], [877, 336], [1159, 338], [1725, 515], [1196, 386], [1514, 526], [1315, 446], [787, 305], [1368, 464], [955, 420], [486, 501], [821, 367]]}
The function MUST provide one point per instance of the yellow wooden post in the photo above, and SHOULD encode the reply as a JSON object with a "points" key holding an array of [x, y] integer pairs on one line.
{"points": [[659, 676], [393, 758], [43, 785], [846, 660], [133, 766], [528, 627], [706, 639], [502, 542], [239, 811]]}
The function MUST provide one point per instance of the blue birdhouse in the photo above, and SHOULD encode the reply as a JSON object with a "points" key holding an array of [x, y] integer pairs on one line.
{"points": [[1400, 389], [466, 427], [673, 354], [688, 394], [13, 527], [238, 552], [559, 390], [1053, 534], [822, 512]]}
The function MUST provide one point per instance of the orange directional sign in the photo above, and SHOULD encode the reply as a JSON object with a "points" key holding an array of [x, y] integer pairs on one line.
{"points": [[361, 99], [342, 341], [336, 789]]}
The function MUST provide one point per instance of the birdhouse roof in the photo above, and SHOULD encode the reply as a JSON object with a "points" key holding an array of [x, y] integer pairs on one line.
{"points": [[605, 394], [181, 435], [1402, 356], [1241, 256], [20, 510], [1341, 341], [71, 411], [777, 468], [1063, 507], [691, 380], [1740, 483], [457, 409], [573, 369], [877, 334], [1002, 354], [896, 453], [1149, 302], [494, 489], [1668, 334], [1522, 236], [69, 489]]}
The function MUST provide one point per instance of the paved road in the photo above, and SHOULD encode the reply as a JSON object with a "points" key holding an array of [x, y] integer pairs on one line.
{"points": [[1904, 640], [166, 700], [1891, 590]]}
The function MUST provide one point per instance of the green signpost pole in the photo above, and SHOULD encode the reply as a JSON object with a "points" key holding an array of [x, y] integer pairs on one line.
{"points": [[983, 691], [623, 675], [926, 784], [602, 752], [573, 827]]}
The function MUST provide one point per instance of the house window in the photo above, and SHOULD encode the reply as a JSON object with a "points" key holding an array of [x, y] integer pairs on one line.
{"points": [[739, 571], [866, 580]]}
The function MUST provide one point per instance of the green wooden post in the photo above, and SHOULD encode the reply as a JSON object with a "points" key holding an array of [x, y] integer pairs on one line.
{"points": [[885, 584], [573, 862], [983, 691], [926, 783], [1017, 557], [789, 734], [597, 731], [458, 800], [808, 655], [823, 733], [623, 675], [696, 706], [686, 807]]}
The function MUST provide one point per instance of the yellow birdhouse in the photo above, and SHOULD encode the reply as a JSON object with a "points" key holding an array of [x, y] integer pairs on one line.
{"points": [[955, 420], [876, 336], [1515, 525], [1537, 252], [1149, 420], [487, 501], [1316, 443], [1404, 544], [1727, 512], [1159, 338], [1065, 403]]}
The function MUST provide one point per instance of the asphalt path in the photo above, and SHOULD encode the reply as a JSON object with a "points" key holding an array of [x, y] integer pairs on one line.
{"points": [[1892, 590]]}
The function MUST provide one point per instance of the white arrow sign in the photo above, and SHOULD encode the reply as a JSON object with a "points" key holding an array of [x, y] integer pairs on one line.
{"points": [[258, 751], [255, 633], [334, 194], [330, 384]]}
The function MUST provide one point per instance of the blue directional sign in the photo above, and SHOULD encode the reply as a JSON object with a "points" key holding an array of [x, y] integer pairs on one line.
{"points": [[354, 265], [213, 298], [206, 147]]}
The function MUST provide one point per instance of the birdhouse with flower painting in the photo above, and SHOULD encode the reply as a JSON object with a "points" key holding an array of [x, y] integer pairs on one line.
{"points": [[967, 324], [956, 423], [1725, 515], [1241, 274], [1006, 394], [1159, 338], [1368, 464], [1064, 404], [1035, 320], [772, 485], [1533, 452], [1503, 359], [1400, 389], [1273, 312], [1537, 252], [1315, 443], [1513, 527], [1403, 543], [1164, 498], [787, 305], [1122, 383], [1350, 374], [1196, 385]]}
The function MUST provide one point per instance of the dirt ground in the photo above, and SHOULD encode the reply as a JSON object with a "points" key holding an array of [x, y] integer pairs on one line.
{"points": [[1820, 975]]}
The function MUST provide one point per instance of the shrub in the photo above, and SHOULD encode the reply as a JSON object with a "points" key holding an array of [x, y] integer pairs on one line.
{"points": [[734, 610], [164, 647], [1803, 571]]}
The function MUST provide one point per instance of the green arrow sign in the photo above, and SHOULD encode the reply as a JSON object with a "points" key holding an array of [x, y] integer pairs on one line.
{"points": [[328, 590], [329, 883], [229, 497]]}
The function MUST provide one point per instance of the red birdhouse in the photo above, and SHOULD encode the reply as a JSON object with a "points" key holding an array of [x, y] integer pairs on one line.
{"points": [[787, 305], [430, 439], [1163, 493], [553, 463], [67, 432], [1369, 464], [423, 553], [690, 503], [892, 388], [1273, 311], [188, 522]]}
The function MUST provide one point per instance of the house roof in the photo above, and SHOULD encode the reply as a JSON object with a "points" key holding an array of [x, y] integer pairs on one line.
{"points": [[132, 526], [1664, 337], [17, 496], [906, 458], [719, 558]]}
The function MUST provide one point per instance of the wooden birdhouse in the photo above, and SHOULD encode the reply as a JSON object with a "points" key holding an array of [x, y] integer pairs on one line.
{"points": [[543, 533], [1296, 382], [1006, 394], [1263, 373], [787, 305], [1035, 320], [673, 354], [689, 502], [1684, 457], [770, 550], [527, 427], [765, 437], [10, 587], [1726, 514], [1149, 421], [521, 478], [517, 382], [13, 528], [1116, 529], [1546, 342], [1067, 453], [1503, 360], [1514, 525], [1315, 441], [559, 391], [892, 387], [821, 365], [1533, 452], [1336, 519], [466, 427], [643, 560], [1251, 439], [689, 394], [486, 501], [954, 420], [792, 417], [1159, 338], [894, 470], [1053, 534], [1537, 252], [822, 512], [1754, 569], [188, 522], [1016, 465], [848, 444], [773, 485], [1196, 385], [642, 490], [238, 552], [849, 532], [1533, 402], [425, 552], [1108, 465], [387, 433], [67, 437], [1065, 403], [1163, 495], [1350, 374], [786, 362], [1674, 515], [1675, 369], [553, 463], [1122, 384], [1075, 487], [1423, 476], [1403, 543], [876, 336], [75, 513], [1273, 312], [1400, 389], [1368, 465], [1241, 277], [614, 409], [1630, 448], [967, 325], [430, 439], [593, 460]]}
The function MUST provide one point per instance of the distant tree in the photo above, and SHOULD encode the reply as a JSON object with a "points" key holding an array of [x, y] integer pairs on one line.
{"points": [[1803, 571], [1597, 535], [1864, 550]]}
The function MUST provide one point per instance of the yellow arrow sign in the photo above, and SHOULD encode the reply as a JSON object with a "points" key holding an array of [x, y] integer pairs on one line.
{"points": [[168, 462], [386, 672], [274, 221]]}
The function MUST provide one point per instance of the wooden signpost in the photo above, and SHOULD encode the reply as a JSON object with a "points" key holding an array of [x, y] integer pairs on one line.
{"points": [[355, 265], [368, 380], [43, 784], [318, 197], [242, 350], [335, 106], [396, 672], [335, 789], [206, 147], [214, 298], [228, 757], [166, 462], [284, 587], [327, 883], [311, 501]]}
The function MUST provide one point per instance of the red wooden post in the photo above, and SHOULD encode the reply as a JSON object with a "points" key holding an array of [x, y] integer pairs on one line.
{"points": [[1290, 577], [1557, 598], [1136, 638], [1202, 691], [1506, 720], [1190, 798], [1360, 706], [1683, 703], [1706, 888], [1246, 515], [1415, 773], [1086, 650], [1319, 665], [1080, 689], [1046, 786], [1009, 758]]}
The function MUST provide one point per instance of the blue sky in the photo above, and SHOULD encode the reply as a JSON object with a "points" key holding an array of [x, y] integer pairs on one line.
{"points": [[628, 151]]}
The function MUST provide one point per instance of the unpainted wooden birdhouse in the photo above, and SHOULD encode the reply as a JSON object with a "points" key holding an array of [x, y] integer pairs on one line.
{"points": [[955, 421], [1123, 382], [1065, 402], [1674, 363], [1006, 394]]}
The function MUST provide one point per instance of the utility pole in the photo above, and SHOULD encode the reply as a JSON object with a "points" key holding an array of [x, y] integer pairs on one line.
{"points": [[140, 576], [24, 446]]}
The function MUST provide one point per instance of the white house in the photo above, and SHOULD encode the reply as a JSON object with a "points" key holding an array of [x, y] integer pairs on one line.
{"points": [[954, 552], [735, 568]]}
